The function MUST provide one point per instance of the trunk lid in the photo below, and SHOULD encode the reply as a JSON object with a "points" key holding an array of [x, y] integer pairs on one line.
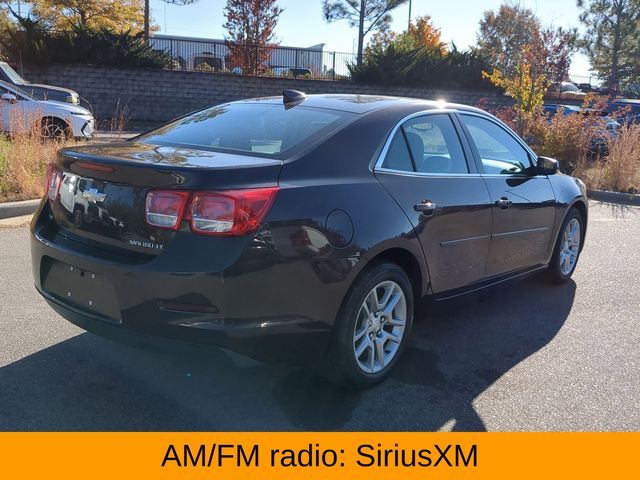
{"points": [[104, 188]]}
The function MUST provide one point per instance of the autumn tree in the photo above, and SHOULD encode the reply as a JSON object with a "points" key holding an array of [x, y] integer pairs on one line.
{"points": [[539, 65], [368, 15], [543, 61], [612, 38], [115, 15], [555, 52], [526, 86], [504, 34], [5, 20], [250, 25], [526, 58], [422, 33]]}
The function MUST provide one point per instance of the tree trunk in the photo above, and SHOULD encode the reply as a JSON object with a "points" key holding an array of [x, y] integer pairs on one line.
{"points": [[615, 53], [146, 20], [363, 5]]}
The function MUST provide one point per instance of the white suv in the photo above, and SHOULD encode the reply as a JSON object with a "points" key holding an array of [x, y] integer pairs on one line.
{"points": [[20, 113]]}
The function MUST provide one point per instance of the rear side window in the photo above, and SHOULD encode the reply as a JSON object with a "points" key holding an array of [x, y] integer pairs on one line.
{"points": [[398, 156], [427, 144], [267, 130]]}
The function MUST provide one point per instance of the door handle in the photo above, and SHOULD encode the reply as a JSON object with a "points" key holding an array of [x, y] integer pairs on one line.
{"points": [[504, 202], [426, 207]]}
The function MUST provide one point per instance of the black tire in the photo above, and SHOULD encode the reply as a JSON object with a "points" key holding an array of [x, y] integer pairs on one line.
{"points": [[78, 217], [342, 365], [54, 129], [555, 273]]}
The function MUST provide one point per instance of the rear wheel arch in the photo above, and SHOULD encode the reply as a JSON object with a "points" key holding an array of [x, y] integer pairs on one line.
{"points": [[408, 262], [52, 120], [402, 257]]}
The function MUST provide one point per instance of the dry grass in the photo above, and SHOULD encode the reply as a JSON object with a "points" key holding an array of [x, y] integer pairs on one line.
{"points": [[568, 138], [620, 170], [23, 165], [24, 157], [119, 120]]}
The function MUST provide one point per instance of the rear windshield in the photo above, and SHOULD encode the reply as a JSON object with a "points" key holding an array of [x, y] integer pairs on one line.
{"points": [[267, 130]]}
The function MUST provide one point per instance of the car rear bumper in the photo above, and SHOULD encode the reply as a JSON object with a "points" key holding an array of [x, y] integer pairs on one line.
{"points": [[285, 345], [260, 305]]}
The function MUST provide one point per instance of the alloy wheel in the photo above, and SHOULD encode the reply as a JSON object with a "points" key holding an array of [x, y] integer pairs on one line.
{"points": [[53, 131], [380, 327], [570, 246]]}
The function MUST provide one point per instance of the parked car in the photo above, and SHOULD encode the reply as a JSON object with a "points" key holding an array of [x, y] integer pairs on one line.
{"points": [[20, 113], [566, 90], [307, 229], [626, 110], [588, 88], [208, 61], [36, 90], [291, 72], [600, 142]]}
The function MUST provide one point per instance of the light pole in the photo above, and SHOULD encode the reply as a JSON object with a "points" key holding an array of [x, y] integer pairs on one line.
{"points": [[409, 23]]}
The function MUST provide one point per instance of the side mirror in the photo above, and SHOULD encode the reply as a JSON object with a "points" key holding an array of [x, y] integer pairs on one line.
{"points": [[9, 97], [547, 166]]}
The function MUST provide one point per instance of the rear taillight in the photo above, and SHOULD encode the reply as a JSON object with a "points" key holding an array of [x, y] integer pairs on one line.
{"points": [[54, 180], [234, 212], [225, 213], [164, 209]]}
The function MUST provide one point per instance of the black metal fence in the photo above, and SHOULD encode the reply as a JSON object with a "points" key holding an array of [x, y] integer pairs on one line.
{"points": [[217, 56]]}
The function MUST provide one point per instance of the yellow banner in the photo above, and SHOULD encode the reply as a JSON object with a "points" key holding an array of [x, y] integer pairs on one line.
{"points": [[323, 456]]}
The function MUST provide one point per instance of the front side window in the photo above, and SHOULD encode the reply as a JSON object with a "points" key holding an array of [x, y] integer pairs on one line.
{"points": [[427, 144], [499, 151], [268, 130]]}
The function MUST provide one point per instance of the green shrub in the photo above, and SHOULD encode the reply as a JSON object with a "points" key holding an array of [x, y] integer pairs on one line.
{"points": [[386, 65], [398, 63], [34, 45]]}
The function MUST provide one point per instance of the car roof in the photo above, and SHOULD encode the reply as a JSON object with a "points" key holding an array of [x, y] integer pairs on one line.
{"points": [[630, 101], [361, 104], [555, 106]]}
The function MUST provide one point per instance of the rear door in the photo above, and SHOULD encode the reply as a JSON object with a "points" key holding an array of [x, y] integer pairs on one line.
{"points": [[523, 202], [429, 172]]}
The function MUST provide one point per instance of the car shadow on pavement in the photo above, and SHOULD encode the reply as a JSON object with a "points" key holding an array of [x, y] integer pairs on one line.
{"points": [[458, 349]]}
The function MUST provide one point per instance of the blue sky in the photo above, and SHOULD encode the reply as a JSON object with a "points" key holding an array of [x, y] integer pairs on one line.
{"points": [[301, 24]]}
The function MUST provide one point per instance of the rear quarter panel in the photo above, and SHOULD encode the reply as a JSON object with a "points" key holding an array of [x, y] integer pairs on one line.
{"points": [[333, 213]]}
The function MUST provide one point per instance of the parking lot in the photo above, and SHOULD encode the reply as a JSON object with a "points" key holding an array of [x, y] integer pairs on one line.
{"points": [[520, 356]]}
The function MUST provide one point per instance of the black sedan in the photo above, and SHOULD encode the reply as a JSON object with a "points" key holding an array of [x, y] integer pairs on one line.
{"points": [[300, 227]]}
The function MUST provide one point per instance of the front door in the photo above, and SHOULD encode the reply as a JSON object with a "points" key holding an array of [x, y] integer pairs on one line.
{"points": [[425, 169], [523, 202]]}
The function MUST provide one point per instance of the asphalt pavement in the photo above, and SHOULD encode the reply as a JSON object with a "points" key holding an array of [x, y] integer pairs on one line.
{"points": [[520, 356]]}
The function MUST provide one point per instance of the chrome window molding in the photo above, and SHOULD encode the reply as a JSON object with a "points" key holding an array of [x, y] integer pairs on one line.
{"points": [[377, 167], [428, 174]]}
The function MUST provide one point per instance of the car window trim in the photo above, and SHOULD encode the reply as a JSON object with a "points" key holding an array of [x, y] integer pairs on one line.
{"points": [[19, 95], [451, 113], [406, 143], [531, 154]]}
